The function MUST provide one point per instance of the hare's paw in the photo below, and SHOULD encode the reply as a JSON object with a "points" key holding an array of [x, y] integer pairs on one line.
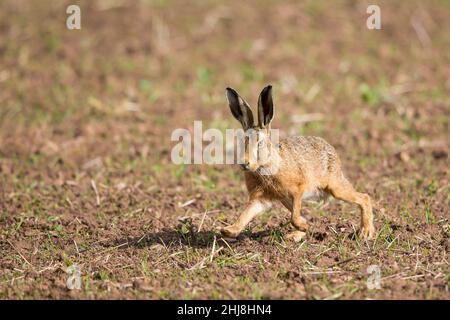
{"points": [[296, 235], [367, 232], [230, 231]]}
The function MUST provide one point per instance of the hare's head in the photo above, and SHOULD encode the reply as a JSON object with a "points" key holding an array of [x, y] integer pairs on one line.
{"points": [[259, 149]]}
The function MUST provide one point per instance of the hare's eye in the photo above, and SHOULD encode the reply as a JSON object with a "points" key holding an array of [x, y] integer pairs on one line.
{"points": [[261, 143]]}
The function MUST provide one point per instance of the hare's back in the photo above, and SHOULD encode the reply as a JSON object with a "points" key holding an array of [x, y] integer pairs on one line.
{"points": [[311, 153]]}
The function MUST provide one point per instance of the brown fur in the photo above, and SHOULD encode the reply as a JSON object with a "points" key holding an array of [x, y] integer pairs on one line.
{"points": [[306, 166]]}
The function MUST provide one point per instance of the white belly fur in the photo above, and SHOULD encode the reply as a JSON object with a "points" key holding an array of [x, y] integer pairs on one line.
{"points": [[311, 195]]}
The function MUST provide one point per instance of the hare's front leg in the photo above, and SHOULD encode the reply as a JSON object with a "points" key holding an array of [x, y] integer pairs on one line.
{"points": [[295, 206], [254, 207]]}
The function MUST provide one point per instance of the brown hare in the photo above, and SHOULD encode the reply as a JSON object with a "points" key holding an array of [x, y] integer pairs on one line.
{"points": [[305, 166]]}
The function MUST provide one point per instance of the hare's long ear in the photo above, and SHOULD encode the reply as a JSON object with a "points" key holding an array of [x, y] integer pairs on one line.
{"points": [[265, 107], [240, 109]]}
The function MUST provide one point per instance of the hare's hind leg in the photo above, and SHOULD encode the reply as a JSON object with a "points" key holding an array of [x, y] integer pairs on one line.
{"points": [[342, 189]]}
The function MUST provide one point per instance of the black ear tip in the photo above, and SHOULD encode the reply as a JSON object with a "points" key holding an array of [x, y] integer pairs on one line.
{"points": [[232, 95], [268, 88], [231, 92]]}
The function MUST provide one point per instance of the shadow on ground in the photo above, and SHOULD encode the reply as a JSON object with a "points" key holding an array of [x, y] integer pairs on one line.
{"points": [[205, 239]]}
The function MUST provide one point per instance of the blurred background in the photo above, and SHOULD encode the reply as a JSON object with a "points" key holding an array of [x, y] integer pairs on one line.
{"points": [[85, 123]]}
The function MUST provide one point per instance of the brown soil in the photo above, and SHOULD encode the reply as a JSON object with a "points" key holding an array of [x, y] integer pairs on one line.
{"points": [[85, 123]]}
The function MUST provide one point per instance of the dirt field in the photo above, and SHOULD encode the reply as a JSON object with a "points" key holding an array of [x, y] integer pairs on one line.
{"points": [[86, 177]]}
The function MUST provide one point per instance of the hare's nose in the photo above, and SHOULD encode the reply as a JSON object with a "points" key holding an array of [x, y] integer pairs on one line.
{"points": [[245, 165]]}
